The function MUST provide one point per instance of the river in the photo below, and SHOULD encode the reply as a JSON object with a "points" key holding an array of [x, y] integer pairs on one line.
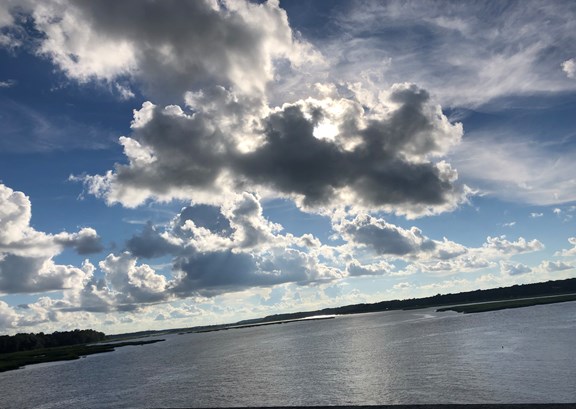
{"points": [[524, 355]]}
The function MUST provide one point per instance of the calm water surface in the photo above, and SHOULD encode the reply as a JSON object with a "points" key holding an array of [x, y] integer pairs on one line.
{"points": [[399, 357]]}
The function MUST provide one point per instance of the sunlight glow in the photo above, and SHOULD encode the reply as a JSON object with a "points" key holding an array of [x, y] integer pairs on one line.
{"points": [[325, 130]]}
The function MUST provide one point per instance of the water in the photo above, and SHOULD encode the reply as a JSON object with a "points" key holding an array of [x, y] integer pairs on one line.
{"points": [[402, 357]]}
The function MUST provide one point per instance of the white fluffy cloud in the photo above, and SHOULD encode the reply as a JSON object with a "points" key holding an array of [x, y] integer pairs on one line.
{"points": [[195, 42], [569, 68], [568, 252], [514, 269], [502, 245], [230, 249], [384, 238], [26, 255], [8, 317], [555, 266]]}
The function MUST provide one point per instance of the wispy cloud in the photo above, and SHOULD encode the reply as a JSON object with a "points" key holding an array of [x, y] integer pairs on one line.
{"points": [[517, 169], [8, 83], [467, 52], [25, 129]]}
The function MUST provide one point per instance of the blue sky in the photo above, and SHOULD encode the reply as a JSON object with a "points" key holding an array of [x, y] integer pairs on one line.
{"points": [[172, 163]]}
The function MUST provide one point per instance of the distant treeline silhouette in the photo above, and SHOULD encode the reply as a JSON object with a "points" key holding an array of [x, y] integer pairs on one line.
{"points": [[27, 342], [495, 294]]}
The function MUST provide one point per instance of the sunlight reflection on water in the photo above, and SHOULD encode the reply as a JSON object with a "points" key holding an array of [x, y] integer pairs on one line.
{"points": [[397, 357]]}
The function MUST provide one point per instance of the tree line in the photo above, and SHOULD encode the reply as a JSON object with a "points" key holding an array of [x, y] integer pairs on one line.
{"points": [[27, 342], [548, 288]]}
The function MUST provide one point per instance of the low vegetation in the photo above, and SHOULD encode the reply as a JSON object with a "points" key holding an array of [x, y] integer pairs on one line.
{"points": [[28, 342], [501, 305], [16, 360]]}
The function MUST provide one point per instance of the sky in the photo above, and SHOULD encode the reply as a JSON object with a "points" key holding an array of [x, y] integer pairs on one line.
{"points": [[167, 164]]}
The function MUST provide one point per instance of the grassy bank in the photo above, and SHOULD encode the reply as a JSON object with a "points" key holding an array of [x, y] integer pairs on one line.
{"points": [[16, 360], [501, 305]]}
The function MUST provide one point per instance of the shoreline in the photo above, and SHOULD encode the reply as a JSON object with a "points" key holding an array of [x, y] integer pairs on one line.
{"points": [[17, 360], [508, 304]]}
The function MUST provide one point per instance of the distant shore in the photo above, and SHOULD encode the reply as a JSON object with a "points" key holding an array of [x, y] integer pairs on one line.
{"points": [[502, 305], [467, 302], [17, 360]]}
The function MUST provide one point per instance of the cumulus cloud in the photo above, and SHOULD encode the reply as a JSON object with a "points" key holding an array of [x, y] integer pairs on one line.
{"points": [[20, 274], [568, 252], [382, 155], [134, 284], [385, 238], [502, 245], [554, 266], [354, 268], [86, 241], [569, 68], [460, 264], [150, 243], [230, 249], [196, 42], [514, 269], [383, 159], [8, 317], [26, 255]]}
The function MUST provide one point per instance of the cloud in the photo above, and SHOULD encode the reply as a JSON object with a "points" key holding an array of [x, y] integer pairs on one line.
{"points": [[554, 266], [516, 168], [134, 284], [37, 274], [383, 159], [27, 130], [8, 83], [569, 68], [169, 46], [504, 246], [8, 317], [355, 269], [26, 255], [458, 264], [228, 139], [86, 241], [215, 251], [384, 238], [514, 269], [467, 53], [568, 252], [150, 243]]}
